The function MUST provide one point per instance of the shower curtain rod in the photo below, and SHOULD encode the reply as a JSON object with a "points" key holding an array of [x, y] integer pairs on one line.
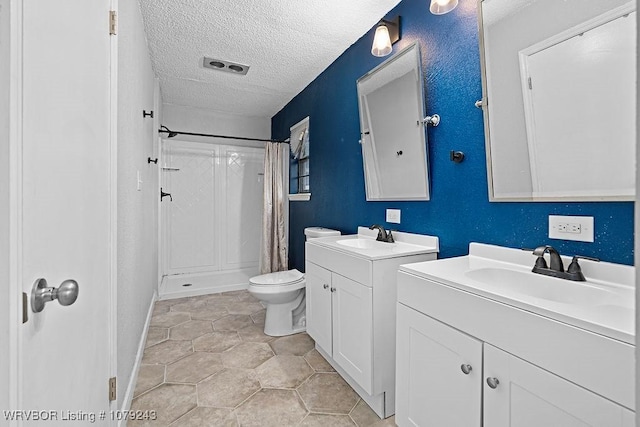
{"points": [[173, 133]]}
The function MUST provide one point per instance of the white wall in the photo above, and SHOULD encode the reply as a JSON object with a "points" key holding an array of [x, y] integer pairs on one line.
{"points": [[4, 204], [137, 210], [196, 120]]}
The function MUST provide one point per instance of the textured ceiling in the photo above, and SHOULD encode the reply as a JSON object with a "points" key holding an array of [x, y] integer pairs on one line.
{"points": [[286, 43]]}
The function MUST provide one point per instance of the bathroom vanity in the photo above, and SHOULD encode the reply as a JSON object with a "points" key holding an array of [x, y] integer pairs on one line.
{"points": [[482, 340], [351, 312]]}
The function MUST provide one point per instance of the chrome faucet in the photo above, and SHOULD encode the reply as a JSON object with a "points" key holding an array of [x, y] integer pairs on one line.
{"points": [[556, 268], [382, 234]]}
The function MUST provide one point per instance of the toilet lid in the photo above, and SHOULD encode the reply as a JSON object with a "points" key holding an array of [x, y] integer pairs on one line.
{"points": [[277, 278]]}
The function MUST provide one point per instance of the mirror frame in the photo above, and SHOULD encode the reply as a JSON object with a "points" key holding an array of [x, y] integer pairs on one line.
{"points": [[487, 138], [424, 150]]}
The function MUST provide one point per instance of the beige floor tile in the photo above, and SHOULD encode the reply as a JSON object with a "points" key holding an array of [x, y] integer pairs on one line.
{"points": [[149, 376], [387, 422], [160, 308], [363, 415], [209, 312], [247, 355], [194, 368], [247, 297], [325, 420], [221, 299], [254, 333], [235, 293], [271, 408], [284, 371], [190, 305], [207, 417], [169, 401], [232, 322], [296, 345], [216, 342], [190, 330], [328, 393], [169, 319], [167, 352], [156, 335], [318, 362], [227, 389], [258, 318], [244, 307]]}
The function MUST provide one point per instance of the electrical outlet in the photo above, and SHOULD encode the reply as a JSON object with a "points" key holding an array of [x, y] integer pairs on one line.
{"points": [[393, 216], [577, 228]]}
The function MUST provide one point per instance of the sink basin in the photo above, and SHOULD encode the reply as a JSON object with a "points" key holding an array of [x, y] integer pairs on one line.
{"points": [[364, 244], [538, 286]]}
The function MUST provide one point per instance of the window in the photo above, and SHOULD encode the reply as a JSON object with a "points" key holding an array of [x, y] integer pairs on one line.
{"points": [[299, 160]]}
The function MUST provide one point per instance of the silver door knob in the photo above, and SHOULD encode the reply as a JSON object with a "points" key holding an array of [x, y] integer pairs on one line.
{"points": [[493, 382], [466, 369], [66, 294], [325, 286]]}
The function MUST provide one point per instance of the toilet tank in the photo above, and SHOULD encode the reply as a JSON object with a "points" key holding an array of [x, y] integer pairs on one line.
{"points": [[314, 232]]}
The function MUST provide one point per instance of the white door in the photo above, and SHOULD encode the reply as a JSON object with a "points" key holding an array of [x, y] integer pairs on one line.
{"points": [[63, 204], [353, 329], [527, 396], [318, 300], [438, 373]]}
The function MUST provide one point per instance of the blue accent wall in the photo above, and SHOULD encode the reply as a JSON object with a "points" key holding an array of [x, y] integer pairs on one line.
{"points": [[459, 211]]}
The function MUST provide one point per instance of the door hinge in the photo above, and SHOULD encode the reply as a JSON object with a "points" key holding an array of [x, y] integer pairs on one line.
{"points": [[112, 389], [113, 22]]}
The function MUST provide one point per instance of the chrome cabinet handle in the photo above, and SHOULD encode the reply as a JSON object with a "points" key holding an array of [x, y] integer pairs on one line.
{"points": [[333, 289], [493, 382], [325, 286], [66, 294], [466, 369]]}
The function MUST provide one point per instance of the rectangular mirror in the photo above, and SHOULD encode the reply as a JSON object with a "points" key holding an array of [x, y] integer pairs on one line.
{"points": [[393, 138], [559, 99]]}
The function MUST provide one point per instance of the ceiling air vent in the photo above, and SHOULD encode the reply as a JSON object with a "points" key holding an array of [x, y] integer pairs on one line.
{"points": [[229, 67]]}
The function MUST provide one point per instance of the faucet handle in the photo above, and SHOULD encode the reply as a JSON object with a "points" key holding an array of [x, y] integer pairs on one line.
{"points": [[390, 237], [589, 258]]}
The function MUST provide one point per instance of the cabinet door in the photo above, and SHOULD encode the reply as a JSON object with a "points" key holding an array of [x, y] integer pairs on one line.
{"points": [[319, 305], [353, 329], [528, 396], [432, 389]]}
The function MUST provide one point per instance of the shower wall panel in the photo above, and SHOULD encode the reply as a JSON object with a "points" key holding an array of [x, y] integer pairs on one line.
{"points": [[213, 223]]}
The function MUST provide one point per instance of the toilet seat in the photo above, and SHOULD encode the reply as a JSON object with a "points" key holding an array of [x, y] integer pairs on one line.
{"points": [[278, 278]]}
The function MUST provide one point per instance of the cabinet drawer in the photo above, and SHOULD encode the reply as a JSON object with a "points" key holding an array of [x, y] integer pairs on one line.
{"points": [[354, 268]]}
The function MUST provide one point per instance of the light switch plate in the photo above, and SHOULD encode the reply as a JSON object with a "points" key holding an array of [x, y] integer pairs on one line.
{"points": [[393, 216], [576, 228]]}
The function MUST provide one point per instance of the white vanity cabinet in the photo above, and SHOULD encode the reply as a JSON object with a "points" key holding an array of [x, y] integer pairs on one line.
{"points": [[340, 319], [440, 382], [350, 309], [465, 359]]}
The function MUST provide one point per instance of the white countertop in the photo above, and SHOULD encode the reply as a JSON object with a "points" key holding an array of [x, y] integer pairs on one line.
{"points": [[605, 306], [405, 244]]}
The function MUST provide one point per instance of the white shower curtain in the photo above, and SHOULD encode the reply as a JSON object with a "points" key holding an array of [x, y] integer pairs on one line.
{"points": [[273, 250]]}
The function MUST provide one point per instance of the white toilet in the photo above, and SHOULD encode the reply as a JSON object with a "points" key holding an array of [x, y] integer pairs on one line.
{"points": [[283, 294]]}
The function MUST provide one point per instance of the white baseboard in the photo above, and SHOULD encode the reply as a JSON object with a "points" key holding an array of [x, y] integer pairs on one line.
{"points": [[133, 378]]}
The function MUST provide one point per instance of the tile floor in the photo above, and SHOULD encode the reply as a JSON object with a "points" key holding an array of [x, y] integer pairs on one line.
{"points": [[207, 362]]}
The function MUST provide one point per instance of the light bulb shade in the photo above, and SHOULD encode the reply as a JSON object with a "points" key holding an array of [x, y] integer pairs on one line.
{"points": [[381, 41], [440, 7]]}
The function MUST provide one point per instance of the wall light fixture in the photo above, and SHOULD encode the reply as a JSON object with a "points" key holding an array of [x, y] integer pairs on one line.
{"points": [[387, 33], [440, 7]]}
